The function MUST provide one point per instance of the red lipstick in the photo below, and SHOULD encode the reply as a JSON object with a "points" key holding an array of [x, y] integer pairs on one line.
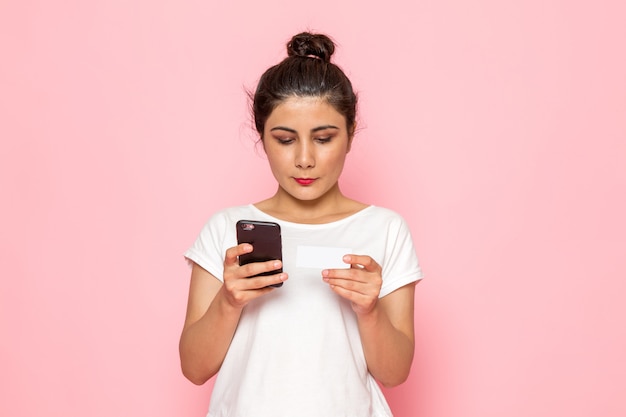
{"points": [[305, 181]]}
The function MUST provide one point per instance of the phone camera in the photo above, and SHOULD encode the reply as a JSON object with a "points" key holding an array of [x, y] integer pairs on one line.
{"points": [[247, 226]]}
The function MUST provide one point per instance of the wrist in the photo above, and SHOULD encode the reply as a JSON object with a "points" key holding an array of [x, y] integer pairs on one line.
{"points": [[226, 305], [370, 317]]}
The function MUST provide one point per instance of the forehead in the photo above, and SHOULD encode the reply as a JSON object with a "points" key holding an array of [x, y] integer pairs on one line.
{"points": [[305, 111]]}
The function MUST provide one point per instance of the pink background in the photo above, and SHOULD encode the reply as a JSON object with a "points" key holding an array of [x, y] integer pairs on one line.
{"points": [[498, 129]]}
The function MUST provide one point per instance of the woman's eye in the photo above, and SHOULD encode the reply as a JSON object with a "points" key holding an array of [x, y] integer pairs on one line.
{"points": [[323, 140], [284, 141]]}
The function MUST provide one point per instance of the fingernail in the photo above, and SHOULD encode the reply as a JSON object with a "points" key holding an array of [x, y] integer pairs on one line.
{"points": [[325, 273], [277, 264], [346, 258]]}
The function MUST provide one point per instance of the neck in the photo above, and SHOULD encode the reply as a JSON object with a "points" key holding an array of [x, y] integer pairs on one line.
{"points": [[330, 207]]}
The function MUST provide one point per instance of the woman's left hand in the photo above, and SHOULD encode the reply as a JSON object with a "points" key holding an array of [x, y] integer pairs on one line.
{"points": [[360, 284]]}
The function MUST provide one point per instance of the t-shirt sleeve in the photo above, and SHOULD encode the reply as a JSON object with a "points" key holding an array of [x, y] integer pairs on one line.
{"points": [[400, 266], [209, 249]]}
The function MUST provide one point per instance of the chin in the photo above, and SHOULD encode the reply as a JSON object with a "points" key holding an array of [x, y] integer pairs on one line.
{"points": [[303, 195]]}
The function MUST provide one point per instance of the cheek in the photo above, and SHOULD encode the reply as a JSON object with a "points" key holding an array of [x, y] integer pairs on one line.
{"points": [[277, 160], [336, 158]]}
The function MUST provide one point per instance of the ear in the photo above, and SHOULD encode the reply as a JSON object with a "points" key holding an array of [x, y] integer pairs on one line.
{"points": [[351, 136]]}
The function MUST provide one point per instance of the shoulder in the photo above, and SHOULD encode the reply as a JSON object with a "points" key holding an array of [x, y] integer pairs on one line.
{"points": [[224, 220], [383, 214], [385, 221], [230, 213]]}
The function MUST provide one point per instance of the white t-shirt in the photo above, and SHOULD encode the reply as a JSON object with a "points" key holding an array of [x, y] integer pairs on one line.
{"points": [[297, 350]]}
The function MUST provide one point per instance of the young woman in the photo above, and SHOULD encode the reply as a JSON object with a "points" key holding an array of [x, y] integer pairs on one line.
{"points": [[316, 345]]}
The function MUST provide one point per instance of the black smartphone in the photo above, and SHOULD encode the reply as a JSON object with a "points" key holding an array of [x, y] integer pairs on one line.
{"points": [[266, 240]]}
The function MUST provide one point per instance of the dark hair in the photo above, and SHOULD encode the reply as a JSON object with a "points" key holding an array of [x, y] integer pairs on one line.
{"points": [[306, 72]]}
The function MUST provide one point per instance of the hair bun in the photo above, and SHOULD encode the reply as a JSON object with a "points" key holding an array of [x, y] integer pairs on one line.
{"points": [[311, 45]]}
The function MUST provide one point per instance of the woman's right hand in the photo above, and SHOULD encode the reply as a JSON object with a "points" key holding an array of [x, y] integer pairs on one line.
{"points": [[238, 288], [214, 309]]}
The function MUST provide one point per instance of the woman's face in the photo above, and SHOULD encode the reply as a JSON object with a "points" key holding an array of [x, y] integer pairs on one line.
{"points": [[306, 141]]}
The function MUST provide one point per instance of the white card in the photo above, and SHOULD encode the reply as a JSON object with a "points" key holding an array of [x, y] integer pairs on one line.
{"points": [[321, 257]]}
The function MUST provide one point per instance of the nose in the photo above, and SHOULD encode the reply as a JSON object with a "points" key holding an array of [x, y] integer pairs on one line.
{"points": [[304, 155]]}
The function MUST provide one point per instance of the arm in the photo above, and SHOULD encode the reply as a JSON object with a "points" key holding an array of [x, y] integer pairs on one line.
{"points": [[388, 338], [214, 309], [385, 324]]}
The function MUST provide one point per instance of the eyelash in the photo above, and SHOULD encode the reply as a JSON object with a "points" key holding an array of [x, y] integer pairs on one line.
{"points": [[290, 140]]}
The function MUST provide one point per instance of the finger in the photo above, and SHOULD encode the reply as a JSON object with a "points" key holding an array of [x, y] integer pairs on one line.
{"points": [[364, 261], [357, 287], [334, 276], [352, 294], [244, 290], [242, 284], [232, 254], [361, 302], [256, 268], [264, 281]]}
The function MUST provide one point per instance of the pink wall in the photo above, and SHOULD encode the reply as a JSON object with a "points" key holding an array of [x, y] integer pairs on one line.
{"points": [[497, 130]]}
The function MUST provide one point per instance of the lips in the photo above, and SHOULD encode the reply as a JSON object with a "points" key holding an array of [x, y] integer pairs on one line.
{"points": [[305, 181]]}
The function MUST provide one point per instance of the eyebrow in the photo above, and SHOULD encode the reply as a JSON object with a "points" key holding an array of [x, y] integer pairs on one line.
{"points": [[315, 129]]}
